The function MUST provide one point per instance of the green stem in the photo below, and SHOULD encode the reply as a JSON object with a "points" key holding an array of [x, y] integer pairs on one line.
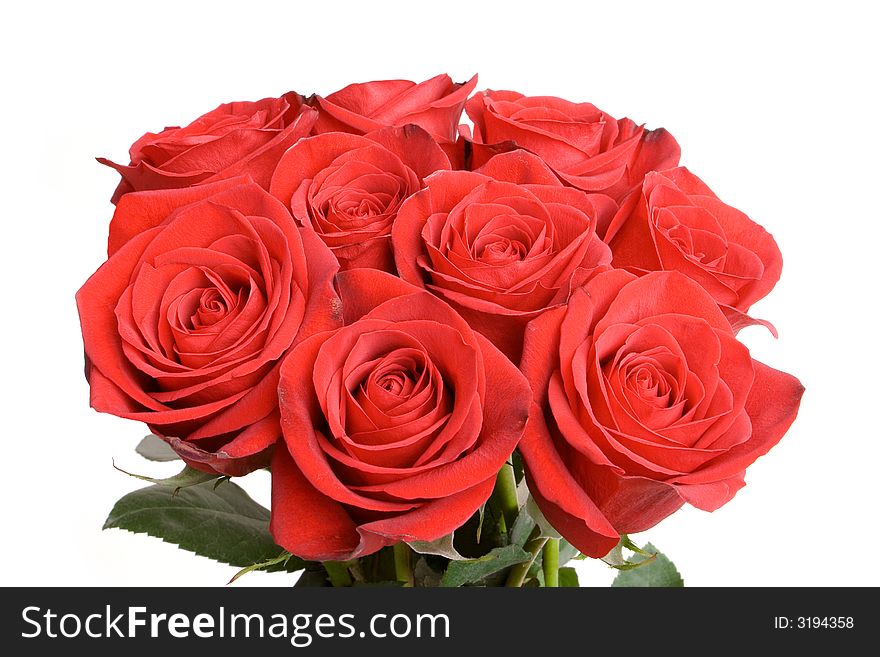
{"points": [[550, 563], [375, 561], [518, 573], [402, 565], [505, 494], [338, 573]]}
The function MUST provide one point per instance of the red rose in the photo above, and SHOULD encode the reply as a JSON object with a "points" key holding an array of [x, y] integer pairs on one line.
{"points": [[434, 105], [587, 148], [395, 426], [644, 400], [677, 223], [501, 252], [204, 291], [244, 138], [349, 188]]}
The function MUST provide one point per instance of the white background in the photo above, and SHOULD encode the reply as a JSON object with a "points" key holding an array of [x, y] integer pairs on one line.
{"points": [[774, 105]]}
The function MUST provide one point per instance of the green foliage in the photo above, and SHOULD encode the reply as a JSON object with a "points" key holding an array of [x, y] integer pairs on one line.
{"points": [[568, 578], [655, 569], [475, 571], [222, 523]]}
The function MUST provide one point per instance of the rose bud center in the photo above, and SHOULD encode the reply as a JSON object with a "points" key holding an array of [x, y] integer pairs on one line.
{"points": [[358, 197], [696, 232]]}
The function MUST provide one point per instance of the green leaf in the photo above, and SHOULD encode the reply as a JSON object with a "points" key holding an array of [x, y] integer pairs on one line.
{"points": [[621, 563], [522, 529], [656, 571], [472, 571], [442, 547], [626, 542], [154, 448], [616, 559], [281, 561], [482, 513], [183, 479], [568, 578], [567, 551], [221, 523], [535, 580]]}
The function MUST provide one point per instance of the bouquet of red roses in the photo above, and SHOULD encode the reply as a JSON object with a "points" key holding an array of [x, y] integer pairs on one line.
{"points": [[467, 353]]}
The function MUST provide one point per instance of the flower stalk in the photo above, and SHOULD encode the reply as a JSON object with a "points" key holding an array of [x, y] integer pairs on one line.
{"points": [[403, 564], [550, 563], [338, 573], [533, 546], [505, 494]]}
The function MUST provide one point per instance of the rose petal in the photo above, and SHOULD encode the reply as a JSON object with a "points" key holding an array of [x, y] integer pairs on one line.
{"points": [[325, 532], [560, 498]]}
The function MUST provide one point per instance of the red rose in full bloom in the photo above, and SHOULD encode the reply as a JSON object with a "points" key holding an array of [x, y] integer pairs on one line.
{"points": [[185, 325], [395, 425], [586, 147], [434, 105], [644, 400], [677, 223], [242, 138], [349, 188], [500, 252]]}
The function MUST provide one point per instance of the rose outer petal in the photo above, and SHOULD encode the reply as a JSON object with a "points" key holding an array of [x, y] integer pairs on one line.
{"points": [[137, 213], [365, 289], [304, 521], [772, 406], [562, 500]]}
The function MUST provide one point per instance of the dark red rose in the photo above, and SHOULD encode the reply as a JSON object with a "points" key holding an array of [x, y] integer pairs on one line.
{"points": [[434, 105], [395, 426], [676, 223], [500, 252], [185, 325], [243, 138], [349, 188], [643, 400], [586, 147]]}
